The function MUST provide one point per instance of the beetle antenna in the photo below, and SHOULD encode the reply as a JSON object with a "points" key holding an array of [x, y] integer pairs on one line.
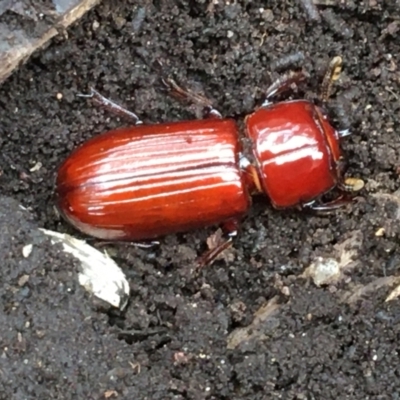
{"points": [[332, 74]]}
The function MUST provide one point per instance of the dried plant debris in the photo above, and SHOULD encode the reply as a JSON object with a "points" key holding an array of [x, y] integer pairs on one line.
{"points": [[99, 274], [27, 9], [46, 20], [253, 332], [329, 270]]}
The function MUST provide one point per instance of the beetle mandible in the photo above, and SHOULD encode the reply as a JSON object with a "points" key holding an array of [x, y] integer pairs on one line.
{"points": [[146, 181]]}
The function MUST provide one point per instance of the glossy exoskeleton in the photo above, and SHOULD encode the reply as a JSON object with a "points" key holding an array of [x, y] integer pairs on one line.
{"points": [[146, 181]]}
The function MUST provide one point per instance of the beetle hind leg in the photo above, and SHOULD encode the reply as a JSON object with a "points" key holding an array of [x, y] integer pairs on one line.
{"points": [[195, 98], [111, 106]]}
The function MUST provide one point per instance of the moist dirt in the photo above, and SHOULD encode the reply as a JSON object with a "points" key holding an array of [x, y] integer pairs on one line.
{"points": [[174, 341]]}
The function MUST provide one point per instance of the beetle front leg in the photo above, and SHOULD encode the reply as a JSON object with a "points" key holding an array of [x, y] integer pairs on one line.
{"points": [[282, 85], [111, 106], [195, 98], [333, 205], [347, 187], [285, 83]]}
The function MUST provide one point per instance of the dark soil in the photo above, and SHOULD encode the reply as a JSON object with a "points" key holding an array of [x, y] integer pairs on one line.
{"points": [[173, 340]]}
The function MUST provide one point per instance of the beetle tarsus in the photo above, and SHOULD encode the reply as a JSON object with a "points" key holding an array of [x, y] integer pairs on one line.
{"points": [[333, 205], [140, 245], [146, 245], [111, 106], [85, 95], [344, 132]]}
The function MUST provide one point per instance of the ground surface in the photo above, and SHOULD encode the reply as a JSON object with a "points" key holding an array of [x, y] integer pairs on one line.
{"points": [[179, 336]]}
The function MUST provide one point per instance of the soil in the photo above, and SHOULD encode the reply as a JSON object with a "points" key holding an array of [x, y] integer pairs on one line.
{"points": [[250, 326]]}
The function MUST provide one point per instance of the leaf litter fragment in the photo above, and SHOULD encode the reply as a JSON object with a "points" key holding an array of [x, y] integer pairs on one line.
{"points": [[99, 274]]}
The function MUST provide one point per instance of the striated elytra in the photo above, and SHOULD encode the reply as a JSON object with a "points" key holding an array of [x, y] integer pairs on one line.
{"points": [[146, 181]]}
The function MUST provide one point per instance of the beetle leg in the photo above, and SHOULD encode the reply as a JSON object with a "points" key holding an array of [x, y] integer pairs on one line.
{"points": [[111, 106], [140, 245], [347, 187], [224, 241], [195, 98], [209, 256], [333, 205], [283, 84]]}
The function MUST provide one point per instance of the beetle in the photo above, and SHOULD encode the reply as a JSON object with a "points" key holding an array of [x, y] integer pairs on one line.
{"points": [[145, 181]]}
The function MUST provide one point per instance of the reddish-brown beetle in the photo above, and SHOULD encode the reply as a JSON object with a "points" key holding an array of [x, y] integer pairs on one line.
{"points": [[146, 181]]}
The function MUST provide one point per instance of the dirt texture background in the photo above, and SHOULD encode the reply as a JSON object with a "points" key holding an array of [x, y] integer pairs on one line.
{"points": [[250, 326]]}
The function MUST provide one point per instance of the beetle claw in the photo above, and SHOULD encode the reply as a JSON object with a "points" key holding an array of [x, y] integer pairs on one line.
{"points": [[344, 132]]}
